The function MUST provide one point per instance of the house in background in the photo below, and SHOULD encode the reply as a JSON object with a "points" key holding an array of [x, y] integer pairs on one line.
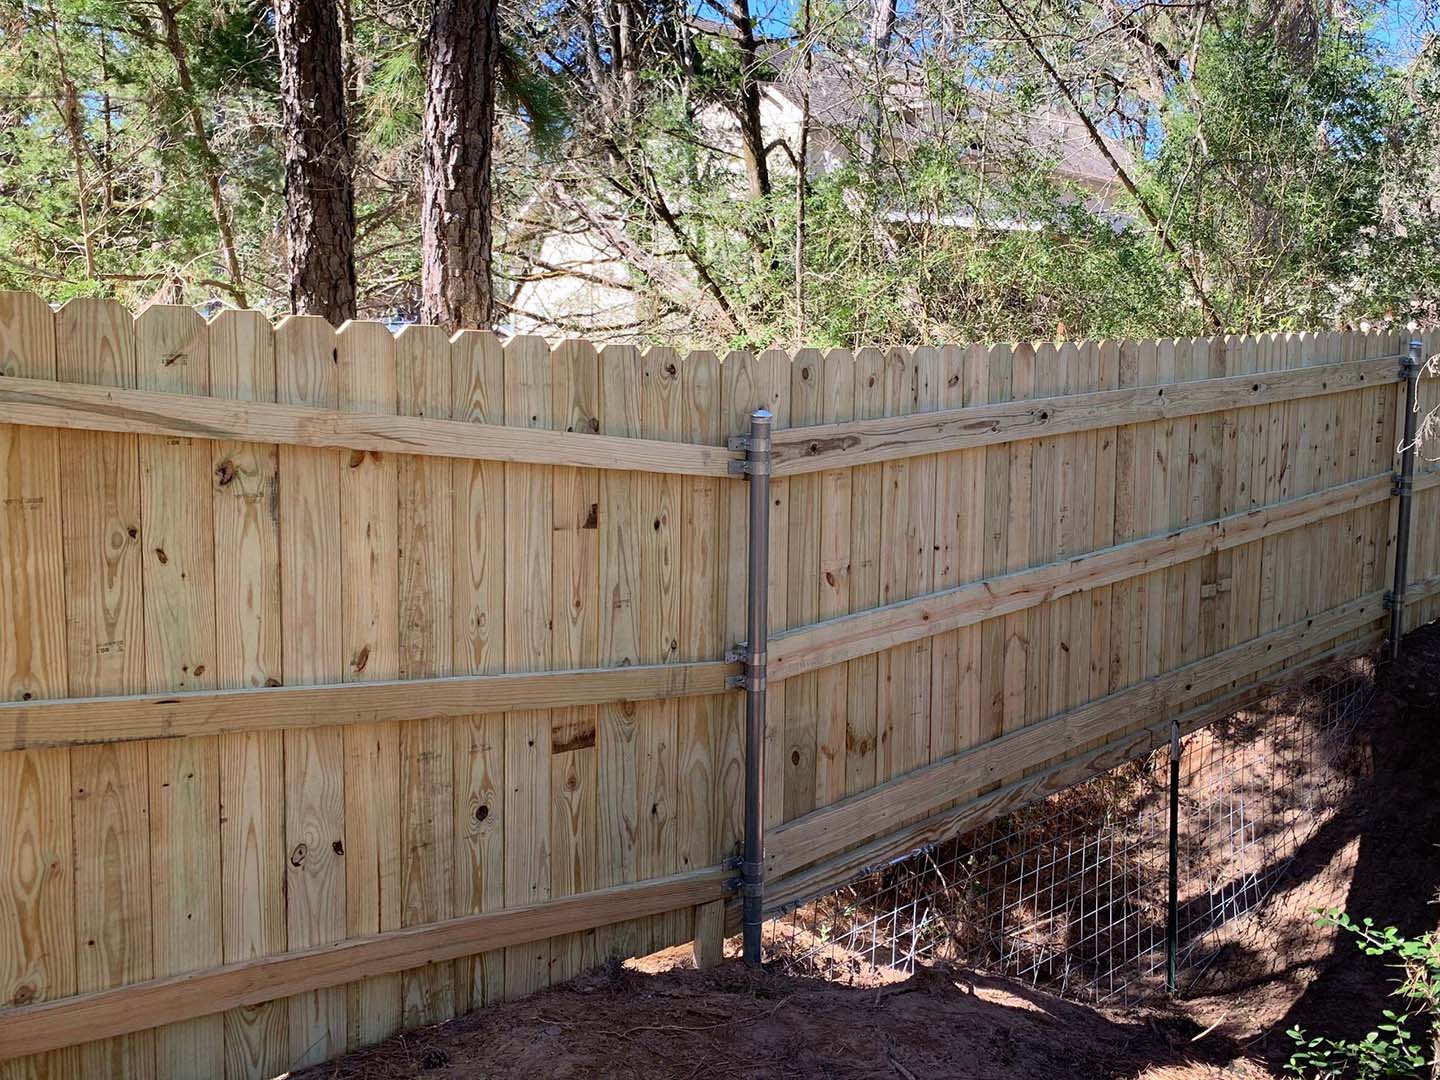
{"points": [[583, 261]]}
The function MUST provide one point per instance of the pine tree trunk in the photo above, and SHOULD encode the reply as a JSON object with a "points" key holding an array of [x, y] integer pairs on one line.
{"points": [[464, 51], [319, 196], [752, 134]]}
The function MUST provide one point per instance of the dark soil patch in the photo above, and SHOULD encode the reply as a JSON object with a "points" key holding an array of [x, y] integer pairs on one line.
{"points": [[1376, 857], [733, 1022]]}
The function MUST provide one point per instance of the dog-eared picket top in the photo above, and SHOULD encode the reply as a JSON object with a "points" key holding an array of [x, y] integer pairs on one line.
{"points": [[355, 680]]}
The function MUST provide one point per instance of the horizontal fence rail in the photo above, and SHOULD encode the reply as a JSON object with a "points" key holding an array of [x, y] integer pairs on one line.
{"points": [[74, 407], [831, 873], [823, 644], [72, 721], [184, 997], [884, 808], [354, 680], [866, 442]]}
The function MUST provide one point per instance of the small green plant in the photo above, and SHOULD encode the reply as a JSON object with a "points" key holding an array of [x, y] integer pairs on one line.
{"points": [[1392, 1048]]}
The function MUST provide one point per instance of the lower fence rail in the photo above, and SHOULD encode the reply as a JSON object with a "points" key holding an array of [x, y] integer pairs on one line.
{"points": [[149, 1004]]}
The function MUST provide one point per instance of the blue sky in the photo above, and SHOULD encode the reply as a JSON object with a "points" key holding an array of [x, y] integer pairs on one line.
{"points": [[1399, 26]]}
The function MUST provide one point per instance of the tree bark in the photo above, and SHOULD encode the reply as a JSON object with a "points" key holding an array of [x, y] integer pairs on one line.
{"points": [[456, 228], [319, 191], [802, 173], [882, 26], [752, 134], [69, 110]]}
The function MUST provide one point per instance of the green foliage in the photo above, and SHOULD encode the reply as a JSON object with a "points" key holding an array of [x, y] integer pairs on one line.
{"points": [[1392, 1048], [1272, 171], [1295, 183]]}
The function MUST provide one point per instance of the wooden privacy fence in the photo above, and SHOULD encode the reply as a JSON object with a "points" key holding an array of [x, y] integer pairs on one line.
{"points": [[355, 680]]}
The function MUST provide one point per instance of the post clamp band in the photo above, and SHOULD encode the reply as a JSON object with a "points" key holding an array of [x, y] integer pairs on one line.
{"points": [[759, 444], [750, 466], [756, 449], [1391, 602], [1402, 486]]}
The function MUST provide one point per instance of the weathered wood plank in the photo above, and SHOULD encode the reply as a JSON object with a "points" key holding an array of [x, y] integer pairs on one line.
{"points": [[574, 770], [312, 651], [834, 541], [70, 406], [244, 503], [102, 542], [426, 647], [894, 438], [528, 563], [37, 890], [369, 589], [172, 350], [144, 716], [798, 843], [621, 589], [862, 681], [478, 624], [699, 752], [802, 580], [662, 415], [854, 635], [303, 972]]}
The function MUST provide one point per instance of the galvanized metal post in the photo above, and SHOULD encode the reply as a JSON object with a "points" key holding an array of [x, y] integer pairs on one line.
{"points": [[752, 867], [1402, 489], [1172, 907]]}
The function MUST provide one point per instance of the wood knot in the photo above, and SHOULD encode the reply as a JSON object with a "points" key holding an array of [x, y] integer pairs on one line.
{"points": [[225, 472]]}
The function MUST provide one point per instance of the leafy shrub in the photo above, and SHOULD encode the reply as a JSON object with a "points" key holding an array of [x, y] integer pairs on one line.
{"points": [[1392, 1048]]}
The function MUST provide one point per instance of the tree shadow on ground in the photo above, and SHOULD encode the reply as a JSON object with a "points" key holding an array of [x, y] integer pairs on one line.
{"points": [[1393, 816]]}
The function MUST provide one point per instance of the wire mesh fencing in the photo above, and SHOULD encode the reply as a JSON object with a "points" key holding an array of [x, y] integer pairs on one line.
{"points": [[1071, 893]]}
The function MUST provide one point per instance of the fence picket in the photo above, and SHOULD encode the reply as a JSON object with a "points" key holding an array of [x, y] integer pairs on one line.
{"points": [[1059, 583]]}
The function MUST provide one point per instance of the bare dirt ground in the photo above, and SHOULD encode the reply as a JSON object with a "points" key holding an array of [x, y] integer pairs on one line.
{"points": [[1377, 857]]}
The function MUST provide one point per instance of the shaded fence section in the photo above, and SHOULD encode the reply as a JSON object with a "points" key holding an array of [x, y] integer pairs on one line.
{"points": [[1070, 893], [354, 680]]}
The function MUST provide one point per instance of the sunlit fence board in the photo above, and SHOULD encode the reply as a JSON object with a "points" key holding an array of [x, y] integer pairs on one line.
{"points": [[366, 679]]}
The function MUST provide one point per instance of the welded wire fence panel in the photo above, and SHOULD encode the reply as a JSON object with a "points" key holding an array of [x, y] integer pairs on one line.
{"points": [[1070, 893], [1253, 790]]}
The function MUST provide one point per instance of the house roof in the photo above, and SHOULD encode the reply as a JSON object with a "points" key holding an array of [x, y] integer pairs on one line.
{"points": [[841, 93]]}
